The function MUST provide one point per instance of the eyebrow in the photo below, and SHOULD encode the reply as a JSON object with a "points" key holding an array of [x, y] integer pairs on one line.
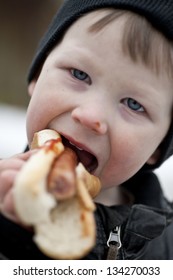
{"points": [[149, 95], [82, 56]]}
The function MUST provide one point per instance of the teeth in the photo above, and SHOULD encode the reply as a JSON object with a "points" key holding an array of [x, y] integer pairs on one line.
{"points": [[76, 146]]}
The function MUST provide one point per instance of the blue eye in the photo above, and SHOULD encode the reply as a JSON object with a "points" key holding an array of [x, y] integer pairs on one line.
{"points": [[133, 104], [80, 75]]}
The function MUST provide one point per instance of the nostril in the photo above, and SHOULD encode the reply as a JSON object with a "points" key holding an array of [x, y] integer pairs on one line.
{"points": [[90, 120], [76, 115], [99, 127], [96, 126]]}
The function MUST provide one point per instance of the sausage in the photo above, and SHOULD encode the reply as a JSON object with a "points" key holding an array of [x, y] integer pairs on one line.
{"points": [[62, 177]]}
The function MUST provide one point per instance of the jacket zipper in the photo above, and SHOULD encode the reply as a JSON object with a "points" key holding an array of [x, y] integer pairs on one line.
{"points": [[114, 243]]}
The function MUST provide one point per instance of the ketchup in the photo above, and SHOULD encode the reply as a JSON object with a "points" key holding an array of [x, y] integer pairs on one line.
{"points": [[51, 145]]}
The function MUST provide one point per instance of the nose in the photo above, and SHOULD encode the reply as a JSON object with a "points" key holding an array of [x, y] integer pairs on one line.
{"points": [[91, 118]]}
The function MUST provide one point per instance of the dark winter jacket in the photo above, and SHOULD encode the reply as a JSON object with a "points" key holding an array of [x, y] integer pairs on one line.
{"points": [[146, 227], [144, 230]]}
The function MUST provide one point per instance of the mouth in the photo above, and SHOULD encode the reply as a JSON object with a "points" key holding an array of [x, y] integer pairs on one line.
{"points": [[84, 156]]}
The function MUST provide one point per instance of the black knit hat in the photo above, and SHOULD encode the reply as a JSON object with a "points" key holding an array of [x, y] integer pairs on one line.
{"points": [[158, 12]]}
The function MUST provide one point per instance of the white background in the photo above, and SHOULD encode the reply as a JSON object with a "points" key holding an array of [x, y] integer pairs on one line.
{"points": [[86, 270]]}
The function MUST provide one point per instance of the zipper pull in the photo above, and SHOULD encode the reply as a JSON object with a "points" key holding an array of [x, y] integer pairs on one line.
{"points": [[114, 243]]}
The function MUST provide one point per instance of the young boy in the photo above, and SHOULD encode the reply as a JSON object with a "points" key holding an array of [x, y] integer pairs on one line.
{"points": [[102, 77]]}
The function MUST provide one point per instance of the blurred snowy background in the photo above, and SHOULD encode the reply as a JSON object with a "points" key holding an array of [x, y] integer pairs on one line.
{"points": [[13, 132], [13, 140]]}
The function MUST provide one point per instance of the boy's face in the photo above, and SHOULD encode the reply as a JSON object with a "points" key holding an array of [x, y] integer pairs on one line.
{"points": [[114, 110]]}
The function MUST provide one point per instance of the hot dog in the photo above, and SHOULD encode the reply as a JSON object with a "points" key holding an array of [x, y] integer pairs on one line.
{"points": [[53, 193], [62, 177]]}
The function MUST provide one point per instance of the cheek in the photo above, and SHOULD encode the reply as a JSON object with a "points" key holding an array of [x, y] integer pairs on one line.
{"points": [[119, 168], [40, 111], [35, 121], [127, 157], [47, 102]]}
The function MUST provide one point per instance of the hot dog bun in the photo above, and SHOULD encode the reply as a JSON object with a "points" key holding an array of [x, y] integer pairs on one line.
{"points": [[63, 229]]}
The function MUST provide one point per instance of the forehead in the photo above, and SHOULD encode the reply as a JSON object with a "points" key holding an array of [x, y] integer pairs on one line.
{"points": [[91, 17], [85, 22], [81, 34]]}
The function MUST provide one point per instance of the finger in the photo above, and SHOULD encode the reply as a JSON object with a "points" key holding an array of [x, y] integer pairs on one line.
{"points": [[16, 161], [8, 209], [12, 163], [25, 156], [7, 178]]}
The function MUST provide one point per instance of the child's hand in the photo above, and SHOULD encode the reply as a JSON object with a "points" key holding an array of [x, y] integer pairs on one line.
{"points": [[8, 171]]}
